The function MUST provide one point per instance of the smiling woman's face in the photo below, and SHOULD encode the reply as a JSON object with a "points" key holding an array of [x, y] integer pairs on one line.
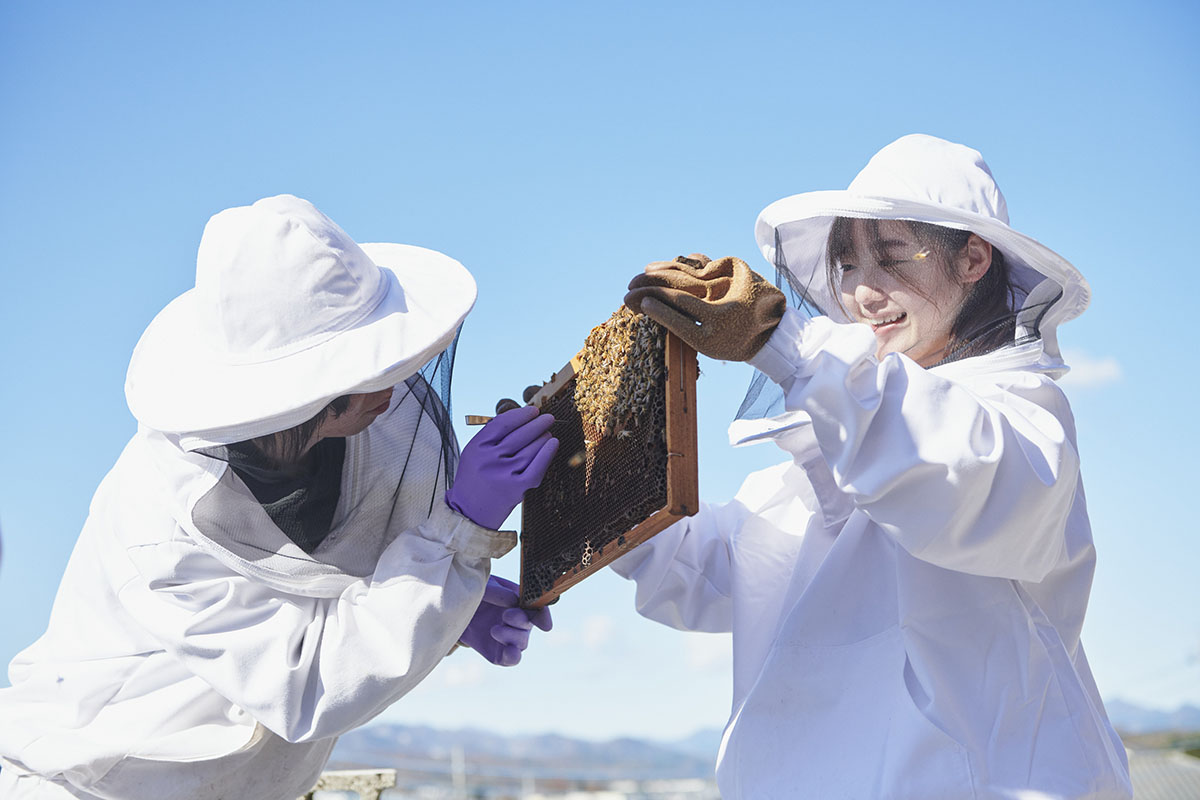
{"points": [[893, 283]]}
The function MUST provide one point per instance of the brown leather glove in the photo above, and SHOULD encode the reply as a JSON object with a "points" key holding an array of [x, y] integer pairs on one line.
{"points": [[722, 308]]}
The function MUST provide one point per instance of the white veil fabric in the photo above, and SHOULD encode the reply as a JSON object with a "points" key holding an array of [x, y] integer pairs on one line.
{"points": [[288, 314], [394, 476]]}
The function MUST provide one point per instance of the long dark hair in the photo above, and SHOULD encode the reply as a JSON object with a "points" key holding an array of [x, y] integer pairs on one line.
{"points": [[986, 319], [284, 449]]}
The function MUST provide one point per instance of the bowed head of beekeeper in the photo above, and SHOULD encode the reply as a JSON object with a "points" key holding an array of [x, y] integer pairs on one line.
{"points": [[294, 334], [294, 340]]}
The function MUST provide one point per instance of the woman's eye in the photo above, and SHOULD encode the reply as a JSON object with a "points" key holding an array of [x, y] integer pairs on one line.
{"points": [[844, 267]]}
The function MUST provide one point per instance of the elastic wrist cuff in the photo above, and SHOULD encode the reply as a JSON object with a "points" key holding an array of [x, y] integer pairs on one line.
{"points": [[465, 537], [779, 358]]}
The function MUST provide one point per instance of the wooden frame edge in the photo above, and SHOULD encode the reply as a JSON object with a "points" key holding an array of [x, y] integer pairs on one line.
{"points": [[653, 524], [683, 368]]}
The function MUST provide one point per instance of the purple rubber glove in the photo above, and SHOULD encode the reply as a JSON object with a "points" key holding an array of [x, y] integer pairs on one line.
{"points": [[509, 455], [499, 631]]}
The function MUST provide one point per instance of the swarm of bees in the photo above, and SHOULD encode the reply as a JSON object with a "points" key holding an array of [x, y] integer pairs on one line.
{"points": [[620, 374]]}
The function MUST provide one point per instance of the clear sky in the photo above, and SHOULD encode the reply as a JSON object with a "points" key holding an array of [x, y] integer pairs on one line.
{"points": [[554, 148]]}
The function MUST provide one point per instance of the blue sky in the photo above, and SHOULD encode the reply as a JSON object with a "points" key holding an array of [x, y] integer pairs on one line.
{"points": [[554, 148]]}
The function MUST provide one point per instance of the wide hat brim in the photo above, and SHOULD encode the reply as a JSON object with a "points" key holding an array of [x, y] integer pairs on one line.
{"points": [[801, 224], [178, 383]]}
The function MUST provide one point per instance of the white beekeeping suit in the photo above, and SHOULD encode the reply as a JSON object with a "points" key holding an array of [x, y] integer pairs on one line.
{"points": [[906, 591], [194, 650]]}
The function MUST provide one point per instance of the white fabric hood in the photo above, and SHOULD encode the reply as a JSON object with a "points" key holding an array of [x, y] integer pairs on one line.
{"points": [[287, 314], [925, 179]]}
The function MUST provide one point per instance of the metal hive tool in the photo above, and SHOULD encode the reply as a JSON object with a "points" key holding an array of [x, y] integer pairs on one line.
{"points": [[625, 417]]}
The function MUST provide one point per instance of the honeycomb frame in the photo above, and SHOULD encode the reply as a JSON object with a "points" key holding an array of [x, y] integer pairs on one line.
{"points": [[568, 534]]}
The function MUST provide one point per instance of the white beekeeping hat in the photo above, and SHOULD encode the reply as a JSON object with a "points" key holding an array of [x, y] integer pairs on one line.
{"points": [[924, 179], [288, 313]]}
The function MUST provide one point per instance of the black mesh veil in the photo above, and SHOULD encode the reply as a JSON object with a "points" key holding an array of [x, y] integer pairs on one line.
{"points": [[430, 389], [763, 397], [337, 512]]}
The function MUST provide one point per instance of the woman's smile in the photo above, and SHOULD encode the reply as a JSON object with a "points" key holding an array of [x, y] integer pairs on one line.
{"points": [[884, 323]]}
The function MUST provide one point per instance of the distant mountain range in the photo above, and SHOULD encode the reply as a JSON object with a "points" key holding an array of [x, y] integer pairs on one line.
{"points": [[1129, 718], [429, 750]]}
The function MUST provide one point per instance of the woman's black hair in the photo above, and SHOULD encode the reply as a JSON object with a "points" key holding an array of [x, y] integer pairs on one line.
{"points": [[986, 319], [284, 449]]}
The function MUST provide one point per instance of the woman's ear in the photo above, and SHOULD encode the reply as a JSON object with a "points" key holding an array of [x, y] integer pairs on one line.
{"points": [[975, 259]]}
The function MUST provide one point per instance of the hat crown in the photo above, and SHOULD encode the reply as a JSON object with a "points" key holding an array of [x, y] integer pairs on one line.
{"points": [[279, 276], [932, 170]]}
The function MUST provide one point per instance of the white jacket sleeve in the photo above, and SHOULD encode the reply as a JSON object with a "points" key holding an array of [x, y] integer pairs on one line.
{"points": [[310, 668], [978, 478], [684, 574]]}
